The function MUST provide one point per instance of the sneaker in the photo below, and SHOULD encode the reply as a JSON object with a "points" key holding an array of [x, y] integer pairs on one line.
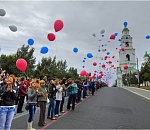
{"points": [[56, 115], [63, 111], [59, 114], [53, 118], [48, 117]]}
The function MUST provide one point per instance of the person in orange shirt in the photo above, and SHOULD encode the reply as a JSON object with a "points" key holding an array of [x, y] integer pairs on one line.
{"points": [[37, 83]]}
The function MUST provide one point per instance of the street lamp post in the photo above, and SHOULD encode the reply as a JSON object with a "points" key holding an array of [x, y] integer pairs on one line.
{"points": [[138, 74], [137, 63]]}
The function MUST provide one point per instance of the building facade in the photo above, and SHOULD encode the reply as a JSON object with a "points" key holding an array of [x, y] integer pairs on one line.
{"points": [[126, 56]]}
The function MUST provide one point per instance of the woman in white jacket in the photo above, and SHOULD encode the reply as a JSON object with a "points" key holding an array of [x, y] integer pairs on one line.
{"points": [[58, 97]]}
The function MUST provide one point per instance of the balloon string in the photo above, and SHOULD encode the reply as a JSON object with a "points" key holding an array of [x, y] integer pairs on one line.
{"points": [[56, 45]]}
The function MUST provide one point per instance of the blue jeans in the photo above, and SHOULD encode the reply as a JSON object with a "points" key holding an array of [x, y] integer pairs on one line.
{"points": [[57, 107], [6, 116], [51, 107], [32, 109]]}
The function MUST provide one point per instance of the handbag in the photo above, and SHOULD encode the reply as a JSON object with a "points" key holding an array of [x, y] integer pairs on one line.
{"points": [[27, 106]]}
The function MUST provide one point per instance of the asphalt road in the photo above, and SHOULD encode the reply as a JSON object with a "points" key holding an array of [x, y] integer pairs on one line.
{"points": [[109, 108]]}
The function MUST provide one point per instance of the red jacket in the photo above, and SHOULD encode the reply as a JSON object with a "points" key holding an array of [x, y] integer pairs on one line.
{"points": [[22, 89]]}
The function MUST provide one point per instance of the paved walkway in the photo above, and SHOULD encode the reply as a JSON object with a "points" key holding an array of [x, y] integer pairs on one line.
{"points": [[141, 92]]}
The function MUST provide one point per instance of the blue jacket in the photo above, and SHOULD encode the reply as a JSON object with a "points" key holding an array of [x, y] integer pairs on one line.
{"points": [[72, 89]]}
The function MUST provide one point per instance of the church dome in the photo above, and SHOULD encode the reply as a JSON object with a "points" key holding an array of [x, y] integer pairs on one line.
{"points": [[146, 55], [125, 29]]}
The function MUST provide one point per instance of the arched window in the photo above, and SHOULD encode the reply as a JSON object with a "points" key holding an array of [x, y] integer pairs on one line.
{"points": [[128, 57], [127, 44]]}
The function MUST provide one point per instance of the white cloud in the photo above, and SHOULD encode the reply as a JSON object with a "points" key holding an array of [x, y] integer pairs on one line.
{"points": [[35, 19]]}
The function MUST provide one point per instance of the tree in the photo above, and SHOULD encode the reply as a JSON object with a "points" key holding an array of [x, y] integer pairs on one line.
{"points": [[8, 63], [26, 53]]}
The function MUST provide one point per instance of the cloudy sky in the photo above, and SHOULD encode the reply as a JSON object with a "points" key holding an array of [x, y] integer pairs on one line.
{"points": [[82, 19]]}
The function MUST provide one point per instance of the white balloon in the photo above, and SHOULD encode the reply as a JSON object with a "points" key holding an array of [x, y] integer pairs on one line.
{"points": [[13, 28], [94, 35], [2, 12], [102, 31]]}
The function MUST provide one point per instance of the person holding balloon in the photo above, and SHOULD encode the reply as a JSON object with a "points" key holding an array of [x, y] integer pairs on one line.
{"points": [[7, 106]]}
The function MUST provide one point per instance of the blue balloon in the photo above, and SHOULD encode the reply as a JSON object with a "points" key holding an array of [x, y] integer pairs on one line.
{"points": [[102, 45], [120, 44], [75, 50], [147, 37], [116, 34], [89, 55], [83, 60], [44, 50], [108, 53], [125, 24], [30, 41], [102, 35], [83, 66], [99, 50], [119, 40]]}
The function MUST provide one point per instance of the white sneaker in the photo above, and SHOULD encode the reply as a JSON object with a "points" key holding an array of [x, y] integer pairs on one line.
{"points": [[56, 115], [59, 114]]}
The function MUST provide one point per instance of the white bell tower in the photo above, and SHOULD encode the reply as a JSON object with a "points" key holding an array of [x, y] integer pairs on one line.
{"points": [[126, 55]]}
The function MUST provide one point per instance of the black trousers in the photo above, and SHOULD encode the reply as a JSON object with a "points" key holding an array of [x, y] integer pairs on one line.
{"points": [[71, 99], [93, 90], [20, 104], [78, 96], [62, 104]]}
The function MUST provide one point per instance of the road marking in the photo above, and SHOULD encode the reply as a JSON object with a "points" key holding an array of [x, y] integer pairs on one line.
{"points": [[62, 115], [141, 89], [137, 94]]}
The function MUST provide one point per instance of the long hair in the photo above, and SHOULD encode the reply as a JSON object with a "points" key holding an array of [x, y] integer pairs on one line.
{"points": [[31, 85], [12, 76]]}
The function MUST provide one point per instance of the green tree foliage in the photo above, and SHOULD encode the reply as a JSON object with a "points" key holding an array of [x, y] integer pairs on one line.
{"points": [[145, 72], [46, 67], [8, 63], [26, 53]]}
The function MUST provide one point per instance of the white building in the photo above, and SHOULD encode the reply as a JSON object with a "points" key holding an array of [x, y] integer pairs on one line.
{"points": [[126, 56]]}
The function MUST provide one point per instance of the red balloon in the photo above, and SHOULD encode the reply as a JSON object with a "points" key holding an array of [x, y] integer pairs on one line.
{"points": [[112, 65], [109, 62], [113, 56], [90, 78], [112, 36], [87, 74], [58, 25], [83, 73], [51, 37], [94, 63], [103, 65], [21, 64], [125, 67], [122, 49]]}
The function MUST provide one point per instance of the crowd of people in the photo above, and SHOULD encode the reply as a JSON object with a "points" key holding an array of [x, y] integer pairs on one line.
{"points": [[13, 91]]}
